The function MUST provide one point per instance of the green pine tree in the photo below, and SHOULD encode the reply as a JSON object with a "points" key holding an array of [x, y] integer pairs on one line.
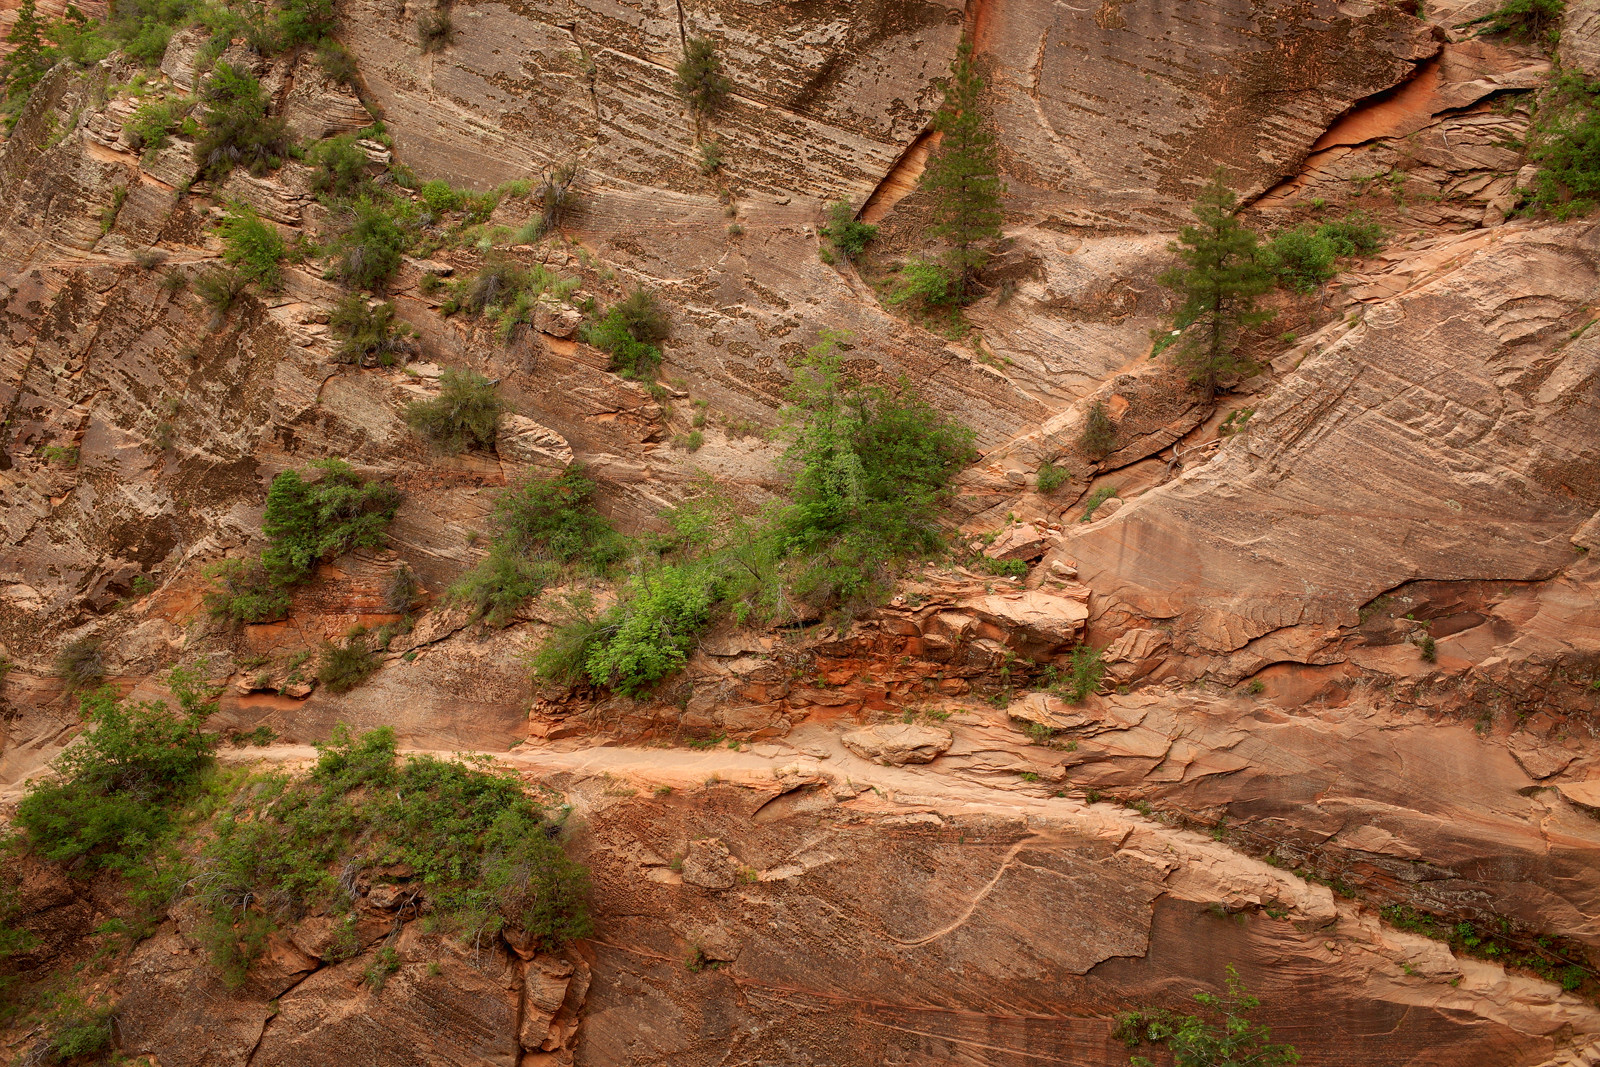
{"points": [[963, 177], [29, 57], [1221, 276]]}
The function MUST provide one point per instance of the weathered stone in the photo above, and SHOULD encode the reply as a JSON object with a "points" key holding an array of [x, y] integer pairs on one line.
{"points": [[897, 743], [1022, 542], [708, 864]]}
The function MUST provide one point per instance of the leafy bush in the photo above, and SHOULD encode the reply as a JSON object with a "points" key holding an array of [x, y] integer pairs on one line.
{"points": [[253, 247], [464, 415], [1096, 498], [341, 166], [370, 251], [1006, 568], [700, 81], [847, 237], [1301, 258], [440, 197], [649, 633], [238, 131], [309, 522], [150, 128], [243, 592], [1197, 1042], [1565, 143], [1353, 235], [337, 62], [436, 29], [1537, 20], [113, 791], [485, 855], [369, 334], [1428, 648], [220, 290], [1051, 477], [1099, 432], [925, 283], [340, 668], [80, 664], [630, 332], [303, 22], [1081, 677]]}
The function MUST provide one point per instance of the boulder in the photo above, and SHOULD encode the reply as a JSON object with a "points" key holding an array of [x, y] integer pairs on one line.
{"points": [[709, 864], [898, 743], [522, 441], [1041, 622], [1023, 541]]}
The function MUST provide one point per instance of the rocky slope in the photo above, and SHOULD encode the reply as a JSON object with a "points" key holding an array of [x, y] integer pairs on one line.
{"points": [[1421, 451]]}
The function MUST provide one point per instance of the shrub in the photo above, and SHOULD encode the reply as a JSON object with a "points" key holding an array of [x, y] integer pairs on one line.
{"points": [[1099, 432], [630, 332], [925, 283], [1302, 258], [341, 166], [337, 62], [340, 668], [464, 415], [710, 158], [1353, 235], [303, 22], [439, 197], [1051, 477], [174, 281], [700, 81], [1005, 568], [220, 289], [369, 334], [74, 1031], [150, 128], [112, 792], [1081, 677], [253, 247], [243, 592], [371, 250], [237, 129], [1565, 143], [402, 591], [541, 525], [79, 664], [1197, 1042], [1429, 648], [1096, 498], [436, 30], [848, 237], [308, 522], [149, 258], [556, 196], [1537, 20], [648, 634]]}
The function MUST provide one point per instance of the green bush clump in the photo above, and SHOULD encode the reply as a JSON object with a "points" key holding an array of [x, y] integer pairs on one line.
{"points": [[482, 854], [308, 522], [252, 246], [113, 792], [1051, 477], [1196, 1042], [847, 238], [1096, 498], [243, 592], [1301, 258], [340, 668], [337, 62], [1565, 143], [1535, 20], [341, 166], [237, 130], [440, 197], [220, 290], [924, 283], [646, 636], [150, 128], [37, 44], [80, 663], [303, 22], [436, 29], [369, 252], [543, 526], [1082, 675], [700, 81], [509, 291], [631, 333], [368, 334], [143, 27], [1099, 432], [464, 415]]}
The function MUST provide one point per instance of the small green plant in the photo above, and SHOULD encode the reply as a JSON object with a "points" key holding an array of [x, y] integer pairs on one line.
{"points": [[253, 247], [924, 283], [1006, 568], [1096, 498], [464, 415], [80, 663], [1099, 432], [1428, 648], [436, 29], [1256, 687], [690, 442], [220, 289], [237, 129], [369, 252], [341, 166], [700, 82], [1534, 20], [385, 964], [1051, 477], [847, 238], [710, 157], [60, 455], [1565, 143], [1081, 676], [309, 522], [340, 668], [368, 333], [631, 332]]}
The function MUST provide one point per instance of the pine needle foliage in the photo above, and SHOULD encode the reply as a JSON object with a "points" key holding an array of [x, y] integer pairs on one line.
{"points": [[309, 522], [1221, 276], [464, 415], [700, 81], [963, 177]]}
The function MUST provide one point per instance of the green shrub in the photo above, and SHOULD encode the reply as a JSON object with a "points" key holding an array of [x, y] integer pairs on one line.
{"points": [[925, 283], [74, 1031], [252, 246], [1099, 432], [1302, 258], [484, 854], [700, 81], [303, 22], [440, 197], [710, 158], [436, 29], [1536, 20], [1005, 568], [370, 335], [1354, 235], [649, 633], [464, 415], [150, 128], [1080, 678], [340, 668], [542, 525], [1051, 477], [370, 251], [631, 332], [220, 289], [308, 522], [341, 166], [1565, 143], [1197, 1042], [1429, 648], [1096, 498], [337, 62], [847, 237], [243, 592], [80, 664], [237, 130], [113, 791]]}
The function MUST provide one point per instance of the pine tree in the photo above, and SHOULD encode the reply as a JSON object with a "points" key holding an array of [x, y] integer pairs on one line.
{"points": [[963, 176], [1222, 275], [29, 57]]}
